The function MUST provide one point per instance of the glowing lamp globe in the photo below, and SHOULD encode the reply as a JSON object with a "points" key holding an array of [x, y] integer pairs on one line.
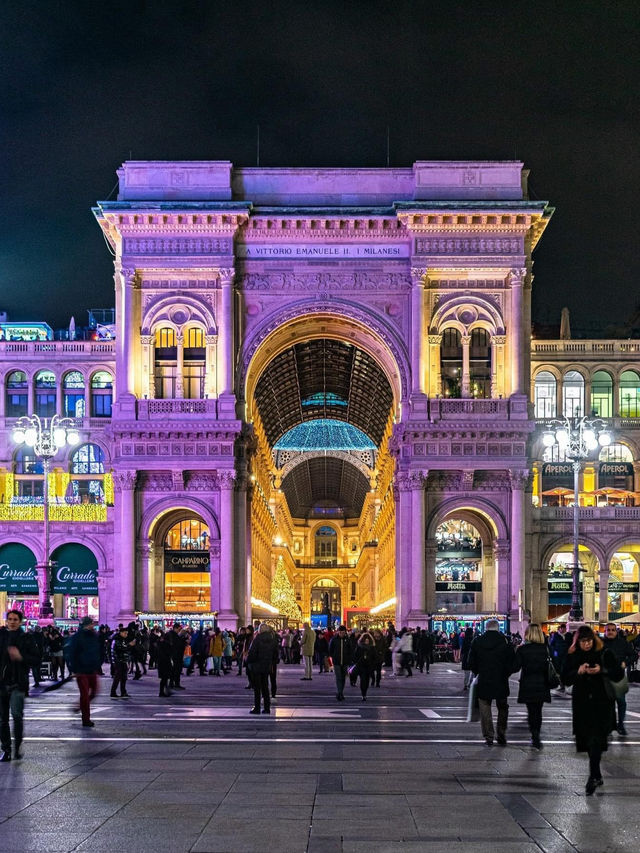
{"points": [[30, 436], [18, 436]]}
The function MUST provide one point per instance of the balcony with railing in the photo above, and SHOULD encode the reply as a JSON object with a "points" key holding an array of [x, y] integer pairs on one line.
{"points": [[571, 348], [176, 409], [105, 349], [454, 409], [587, 513]]}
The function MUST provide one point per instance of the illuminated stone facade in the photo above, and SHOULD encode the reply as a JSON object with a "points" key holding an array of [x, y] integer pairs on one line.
{"points": [[252, 299]]}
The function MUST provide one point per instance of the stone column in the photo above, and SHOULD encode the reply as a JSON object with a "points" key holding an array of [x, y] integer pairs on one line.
{"points": [[225, 333], [502, 553], [144, 552], [603, 605], [435, 378], [148, 365], [497, 365], [518, 481], [125, 484], [210, 366], [125, 340], [179, 366], [417, 329], [516, 281], [226, 481], [430, 556], [31, 394], [466, 379], [636, 476], [418, 602], [402, 496]]}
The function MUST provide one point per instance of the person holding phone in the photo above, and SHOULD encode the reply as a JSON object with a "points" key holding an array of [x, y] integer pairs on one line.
{"points": [[585, 668]]}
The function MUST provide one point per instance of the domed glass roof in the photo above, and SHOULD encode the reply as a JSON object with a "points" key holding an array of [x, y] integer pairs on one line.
{"points": [[325, 434]]}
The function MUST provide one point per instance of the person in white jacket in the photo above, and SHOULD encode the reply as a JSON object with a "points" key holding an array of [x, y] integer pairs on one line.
{"points": [[405, 648]]}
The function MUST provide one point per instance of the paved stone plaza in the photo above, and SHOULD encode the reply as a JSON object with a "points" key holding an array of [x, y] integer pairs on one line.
{"points": [[401, 773]]}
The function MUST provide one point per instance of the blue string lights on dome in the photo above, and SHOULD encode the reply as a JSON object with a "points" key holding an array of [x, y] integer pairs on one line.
{"points": [[324, 434], [324, 398]]}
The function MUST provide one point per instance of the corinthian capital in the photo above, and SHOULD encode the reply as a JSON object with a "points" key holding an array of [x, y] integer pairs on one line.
{"points": [[226, 479], [226, 275], [418, 275], [518, 479], [517, 276], [124, 481], [417, 480]]}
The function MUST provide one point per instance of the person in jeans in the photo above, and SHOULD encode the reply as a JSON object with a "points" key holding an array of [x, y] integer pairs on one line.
{"points": [[616, 643], [260, 659], [340, 652], [84, 659], [491, 658], [533, 659], [18, 653]]}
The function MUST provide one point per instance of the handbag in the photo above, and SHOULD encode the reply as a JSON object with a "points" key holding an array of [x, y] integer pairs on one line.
{"points": [[616, 689], [553, 679], [473, 708]]}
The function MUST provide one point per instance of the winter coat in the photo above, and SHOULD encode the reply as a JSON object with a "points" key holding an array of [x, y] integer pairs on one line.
{"points": [[261, 652], [177, 643], [465, 649], [491, 659], [228, 644], [593, 711], [84, 653], [340, 650], [559, 647], [406, 643], [164, 661], [216, 647], [622, 650], [120, 649], [533, 660], [17, 672], [308, 642], [365, 656], [321, 647]]}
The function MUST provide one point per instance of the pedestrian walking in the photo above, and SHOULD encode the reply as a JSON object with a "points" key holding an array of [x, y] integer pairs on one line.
{"points": [[18, 653], [586, 666], [464, 657], [623, 652], [177, 640], [365, 661], [340, 652], [491, 658], [307, 647], [84, 659], [532, 660], [216, 648], [381, 650], [121, 647], [164, 663], [559, 645], [259, 662]]}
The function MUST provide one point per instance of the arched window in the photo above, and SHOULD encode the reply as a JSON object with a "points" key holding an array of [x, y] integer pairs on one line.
{"points": [[17, 397], [166, 355], [190, 534], [101, 394], [187, 566], [87, 475], [73, 393], [451, 363], [45, 402], [326, 546], [602, 394], [88, 459], [194, 362], [545, 395], [555, 453], [615, 453], [29, 471], [572, 394], [629, 394], [480, 363]]}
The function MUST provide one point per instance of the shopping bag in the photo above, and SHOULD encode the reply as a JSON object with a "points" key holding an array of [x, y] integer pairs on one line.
{"points": [[473, 709], [209, 664]]}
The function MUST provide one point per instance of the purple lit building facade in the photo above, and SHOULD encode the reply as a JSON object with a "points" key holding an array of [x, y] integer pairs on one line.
{"points": [[259, 311]]}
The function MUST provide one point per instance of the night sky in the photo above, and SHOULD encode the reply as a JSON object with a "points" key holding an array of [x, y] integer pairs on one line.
{"points": [[86, 85]]}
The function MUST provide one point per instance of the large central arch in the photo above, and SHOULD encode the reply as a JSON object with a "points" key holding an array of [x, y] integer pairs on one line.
{"points": [[362, 378]]}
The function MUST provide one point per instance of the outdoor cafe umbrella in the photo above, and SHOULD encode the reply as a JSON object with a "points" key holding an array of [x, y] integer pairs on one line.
{"points": [[558, 491]]}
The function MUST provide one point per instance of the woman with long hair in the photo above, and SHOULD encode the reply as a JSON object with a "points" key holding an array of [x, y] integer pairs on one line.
{"points": [[365, 662], [533, 659], [585, 668]]}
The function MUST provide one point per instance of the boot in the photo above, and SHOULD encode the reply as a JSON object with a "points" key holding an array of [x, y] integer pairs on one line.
{"points": [[535, 740]]}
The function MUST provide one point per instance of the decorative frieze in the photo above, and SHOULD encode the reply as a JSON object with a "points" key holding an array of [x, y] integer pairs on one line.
{"points": [[176, 246], [317, 282], [468, 246]]}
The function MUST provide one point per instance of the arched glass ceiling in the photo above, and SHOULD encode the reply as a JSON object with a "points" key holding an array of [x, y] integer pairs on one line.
{"points": [[324, 434], [325, 486], [323, 379]]}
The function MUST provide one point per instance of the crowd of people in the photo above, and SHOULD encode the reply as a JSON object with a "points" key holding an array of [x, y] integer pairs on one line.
{"points": [[595, 668]]}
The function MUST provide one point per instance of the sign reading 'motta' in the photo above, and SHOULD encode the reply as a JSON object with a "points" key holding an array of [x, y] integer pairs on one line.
{"points": [[186, 561]]}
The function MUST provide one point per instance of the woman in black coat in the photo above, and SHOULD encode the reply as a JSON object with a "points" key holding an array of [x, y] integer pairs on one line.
{"points": [[532, 658], [593, 711], [365, 662], [165, 664]]}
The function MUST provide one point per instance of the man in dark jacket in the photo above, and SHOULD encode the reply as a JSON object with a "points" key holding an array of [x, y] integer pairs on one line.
{"points": [[120, 660], [259, 663], [341, 654], [491, 658], [18, 653], [84, 657], [623, 653], [559, 646]]}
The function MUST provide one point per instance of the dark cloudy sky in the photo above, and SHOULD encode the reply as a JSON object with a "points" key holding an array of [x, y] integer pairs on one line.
{"points": [[84, 84]]}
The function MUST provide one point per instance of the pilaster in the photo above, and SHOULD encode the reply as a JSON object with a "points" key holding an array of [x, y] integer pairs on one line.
{"points": [[124, 485]]}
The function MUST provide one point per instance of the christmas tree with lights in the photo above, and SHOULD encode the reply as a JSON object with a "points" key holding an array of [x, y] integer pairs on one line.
{"points": [[282, 594]]}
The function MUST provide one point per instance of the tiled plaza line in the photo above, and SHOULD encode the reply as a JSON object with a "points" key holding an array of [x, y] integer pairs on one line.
{"points": [[384, 779]]}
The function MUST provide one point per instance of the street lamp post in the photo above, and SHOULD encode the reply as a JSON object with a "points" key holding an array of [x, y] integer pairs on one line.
{"points": [[46, 436], [577, 437]]}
